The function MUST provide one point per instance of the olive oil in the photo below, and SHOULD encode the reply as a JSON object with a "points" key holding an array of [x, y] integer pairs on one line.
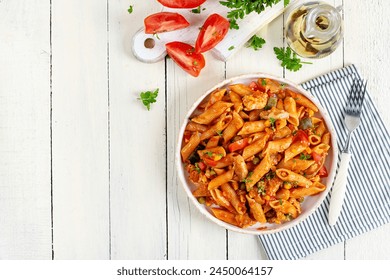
{"points": [[314, 29]]}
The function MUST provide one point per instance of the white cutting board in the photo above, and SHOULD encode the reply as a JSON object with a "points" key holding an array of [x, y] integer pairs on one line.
{"points": [[234, 38]]}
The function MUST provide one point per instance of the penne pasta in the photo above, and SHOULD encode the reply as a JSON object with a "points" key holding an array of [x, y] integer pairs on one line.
{"points": [[297, 165], [256, 210], [192, 144], [314, 139], [326, 138], [221, 179], [193, 126], [213, 112], [256, 146], [215, 96], [294, 150], [233, 127], [225, 216], [251, 163], [233, 198], [252, 127], [277, 146], [316, 188], [260, 170], [289, 176], [302, 100]]}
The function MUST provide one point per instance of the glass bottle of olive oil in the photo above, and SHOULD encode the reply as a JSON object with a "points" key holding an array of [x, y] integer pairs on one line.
{"points": [[314, 29]]}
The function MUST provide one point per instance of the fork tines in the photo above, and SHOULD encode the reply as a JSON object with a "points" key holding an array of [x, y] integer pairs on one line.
{"points": [[356, 97]]}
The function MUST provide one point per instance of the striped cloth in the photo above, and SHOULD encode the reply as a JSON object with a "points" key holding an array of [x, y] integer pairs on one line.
{"points": [[367, 199]]}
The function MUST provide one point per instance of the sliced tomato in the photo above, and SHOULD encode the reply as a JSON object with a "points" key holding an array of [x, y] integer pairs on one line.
{"points": [[238, 145], [302, 137], [316, 157], [187, 136], [254, 86], [184, 55], [181, 3], [163, 22], [202, 166], [323, 172], [210, 162], [212, 32]]}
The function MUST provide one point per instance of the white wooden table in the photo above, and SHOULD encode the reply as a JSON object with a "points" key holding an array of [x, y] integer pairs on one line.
{"points": [[87, 173]]}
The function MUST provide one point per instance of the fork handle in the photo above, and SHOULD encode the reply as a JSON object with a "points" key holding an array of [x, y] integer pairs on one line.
{"points": [[338, 190]]}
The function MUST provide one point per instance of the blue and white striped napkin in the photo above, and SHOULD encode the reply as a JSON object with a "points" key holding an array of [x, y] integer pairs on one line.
{"points": [[367, 199]]}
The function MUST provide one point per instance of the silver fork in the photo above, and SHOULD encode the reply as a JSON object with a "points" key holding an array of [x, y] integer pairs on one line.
{"points": [[351, 121]]}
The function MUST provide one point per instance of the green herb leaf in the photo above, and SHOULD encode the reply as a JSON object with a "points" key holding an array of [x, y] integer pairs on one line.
{"points": [[148, 98], [219, 132], [305, 157], [230, 48], [130, 9], [197, 168], [272, 121], [261, 188], [210, 154], [241, 8], [289, 59], [270, 175], [256, 43], [280, 202], [197, 10]]}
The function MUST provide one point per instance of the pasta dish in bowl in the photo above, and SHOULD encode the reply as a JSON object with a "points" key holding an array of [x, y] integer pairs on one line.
{"points": [[257, 154]]}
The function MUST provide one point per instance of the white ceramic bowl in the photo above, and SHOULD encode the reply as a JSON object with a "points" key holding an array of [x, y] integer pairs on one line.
{"points": [[310, 204]]}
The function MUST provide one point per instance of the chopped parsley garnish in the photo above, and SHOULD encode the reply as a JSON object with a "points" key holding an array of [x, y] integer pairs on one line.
{"points": [[197, 168], [219, 132], [270, 175], [247, 180], [130, 9], [305, 156], [230, 48], [261, 188], [272, 122], [148, 97], [263, 82], [210, 154], [280, 202]]}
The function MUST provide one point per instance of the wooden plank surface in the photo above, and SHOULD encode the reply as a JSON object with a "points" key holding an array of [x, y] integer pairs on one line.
{"points": [[190, 235], [25, 200], [80, 130], [137, 143], [366, 44]]}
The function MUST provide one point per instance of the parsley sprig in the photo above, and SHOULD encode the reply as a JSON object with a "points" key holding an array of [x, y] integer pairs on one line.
{"points": [[130, 9], [148, 97], [241, 8], [256, 43], [289, 59]]}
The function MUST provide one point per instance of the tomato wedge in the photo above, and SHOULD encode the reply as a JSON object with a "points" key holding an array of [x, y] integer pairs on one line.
{"points": [[163, 22], [212, 32], [238, 145], [302, 137], [202, 166], [184, 55], [181, 3], [316, 157], [323, 172], [210, 162]]}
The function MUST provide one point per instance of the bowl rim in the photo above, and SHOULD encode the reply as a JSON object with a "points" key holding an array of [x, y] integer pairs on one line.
{"points": [[325, 115]]}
